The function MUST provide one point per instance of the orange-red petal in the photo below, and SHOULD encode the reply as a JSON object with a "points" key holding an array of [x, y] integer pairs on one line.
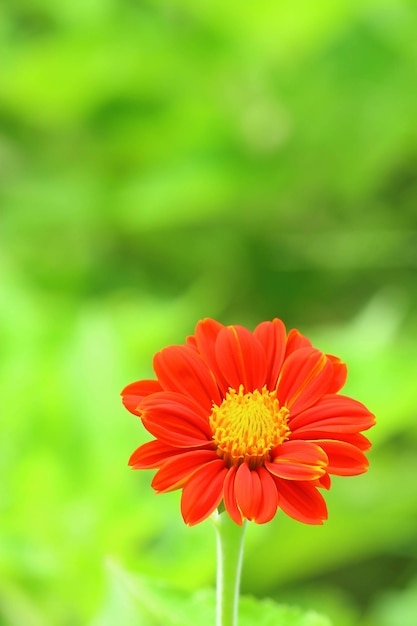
{"points": [[175, 419], [301, 501], [241, 358], [269, 500], [248, 491], [356, 439], [206, 333], [324, 482], [298, 460], [133, 394], [181, 369], [272, 337], [331, 414], [203, 492], [295, 341], [344, 458], [151, 454], [305, 378], [229, 496], [339, 374], [173, 472], [191, 342]]}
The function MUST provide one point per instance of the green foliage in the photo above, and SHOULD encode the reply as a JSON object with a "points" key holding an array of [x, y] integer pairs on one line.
{"points": [[397, 608], [145, 602], [161, 162]]}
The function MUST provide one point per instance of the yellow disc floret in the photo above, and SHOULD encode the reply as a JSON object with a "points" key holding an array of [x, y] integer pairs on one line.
{"points": [[246, 426]]}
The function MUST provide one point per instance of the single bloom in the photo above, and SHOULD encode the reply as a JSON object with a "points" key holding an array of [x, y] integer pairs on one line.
{"points": [[251, 421]]}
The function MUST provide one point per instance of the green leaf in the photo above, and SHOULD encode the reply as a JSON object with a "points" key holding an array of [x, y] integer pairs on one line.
{"points": [[397, 608], [268, 613], [140, 601]]}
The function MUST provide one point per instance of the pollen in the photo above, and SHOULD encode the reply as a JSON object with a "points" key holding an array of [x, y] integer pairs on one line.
{"points": [[246, 426]]}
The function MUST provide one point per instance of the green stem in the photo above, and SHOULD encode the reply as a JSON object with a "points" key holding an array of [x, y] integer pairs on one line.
{"points": [[230, 541]]}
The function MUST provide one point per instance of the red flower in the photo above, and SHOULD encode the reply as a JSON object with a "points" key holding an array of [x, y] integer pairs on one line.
{"points": [[252, 420]]}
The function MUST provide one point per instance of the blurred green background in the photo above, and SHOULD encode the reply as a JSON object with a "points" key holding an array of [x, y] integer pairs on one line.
{"points": [[165, 161]]}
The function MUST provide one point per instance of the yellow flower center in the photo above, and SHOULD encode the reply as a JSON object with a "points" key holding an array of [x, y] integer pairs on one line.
{"points": [[246, 426]]}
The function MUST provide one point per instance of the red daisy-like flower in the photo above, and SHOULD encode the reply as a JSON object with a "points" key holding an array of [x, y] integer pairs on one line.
{"points": [[253, 420]]}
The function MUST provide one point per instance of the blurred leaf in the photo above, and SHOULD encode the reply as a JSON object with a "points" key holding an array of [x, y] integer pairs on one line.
{"points": [[140, 601], [17, 608], [396, 608]]}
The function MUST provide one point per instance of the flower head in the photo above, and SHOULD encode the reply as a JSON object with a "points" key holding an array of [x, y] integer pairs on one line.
{"points": [[250, 420]]}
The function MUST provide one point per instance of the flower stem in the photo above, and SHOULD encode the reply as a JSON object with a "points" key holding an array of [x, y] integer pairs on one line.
{"points": [[230, 542]]}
